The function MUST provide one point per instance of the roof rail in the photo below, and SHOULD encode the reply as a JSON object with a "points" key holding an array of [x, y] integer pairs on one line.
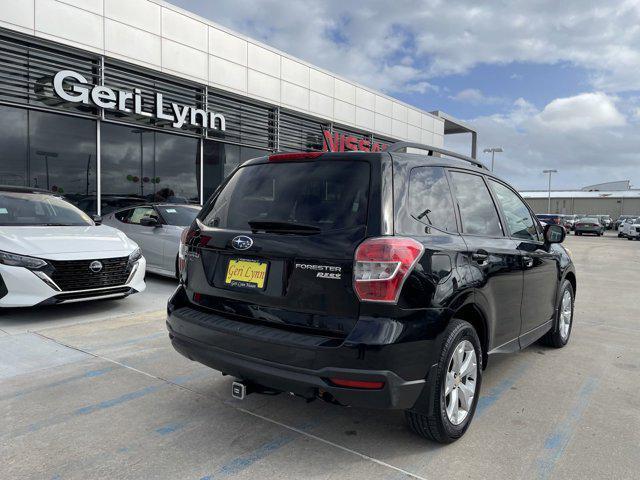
{"points": [[394, 147]]}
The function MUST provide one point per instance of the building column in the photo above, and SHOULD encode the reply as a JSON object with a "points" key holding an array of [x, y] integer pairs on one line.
{"points": [[474, 145]]}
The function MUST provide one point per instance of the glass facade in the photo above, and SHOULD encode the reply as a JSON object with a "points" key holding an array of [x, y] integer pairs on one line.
{"points": [[148, 165], [50, 151], [61, 145]]}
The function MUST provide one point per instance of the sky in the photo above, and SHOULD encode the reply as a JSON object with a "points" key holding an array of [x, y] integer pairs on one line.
{"points": [[556, 84]]}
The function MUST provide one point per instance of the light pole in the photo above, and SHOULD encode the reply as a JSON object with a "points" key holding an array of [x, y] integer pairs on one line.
{"points": [[493, 151], [46, 156], [549, 190]]}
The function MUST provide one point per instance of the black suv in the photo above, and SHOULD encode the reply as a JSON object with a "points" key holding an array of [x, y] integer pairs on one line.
{"points": [[380, 280]]}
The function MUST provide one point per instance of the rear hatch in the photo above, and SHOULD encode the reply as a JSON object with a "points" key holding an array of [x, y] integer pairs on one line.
{"points": [[276, 245]]}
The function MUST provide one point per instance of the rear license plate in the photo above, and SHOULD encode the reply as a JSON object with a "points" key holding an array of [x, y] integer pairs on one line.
{"points": [[247, 273]]}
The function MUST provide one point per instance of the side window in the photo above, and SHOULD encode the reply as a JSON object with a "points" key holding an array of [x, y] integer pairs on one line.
{"points": [[139, 213], [123, 216], [516, 213], [430, 200], [477, 211]]}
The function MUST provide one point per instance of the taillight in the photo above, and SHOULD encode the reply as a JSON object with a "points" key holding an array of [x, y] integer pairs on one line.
{"points": [[185, 236], [292, 157], [382, 265]]}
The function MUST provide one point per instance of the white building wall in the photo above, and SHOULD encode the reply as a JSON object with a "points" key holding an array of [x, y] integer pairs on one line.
{"points": [[160, 36]]}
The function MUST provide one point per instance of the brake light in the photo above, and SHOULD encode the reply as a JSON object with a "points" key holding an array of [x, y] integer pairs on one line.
{"points": [[185, 236], [292, 157], [342, 382], [382, 265]]}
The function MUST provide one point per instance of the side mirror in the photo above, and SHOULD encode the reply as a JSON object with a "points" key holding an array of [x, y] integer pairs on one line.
{"points": [[149, 222], [97, 219], [554, 233]]}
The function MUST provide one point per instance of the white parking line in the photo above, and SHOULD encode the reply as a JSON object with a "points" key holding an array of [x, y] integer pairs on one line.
{"points": [[248, 412]]}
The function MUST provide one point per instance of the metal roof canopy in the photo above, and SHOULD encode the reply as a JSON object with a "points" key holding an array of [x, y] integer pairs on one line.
{"points": [[581, 194], [453, 126]]}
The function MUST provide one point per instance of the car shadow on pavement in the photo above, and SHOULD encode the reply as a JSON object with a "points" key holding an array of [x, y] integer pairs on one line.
{"points": [[158, 291]]}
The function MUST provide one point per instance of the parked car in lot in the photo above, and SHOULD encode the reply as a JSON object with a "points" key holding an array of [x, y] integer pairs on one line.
{"points": [[157, 229], [621, 219], [606, 221], [52, 252], [589, 225], [630, 229], [553, 219], [569, 221], [378, 280], [109, 203]]}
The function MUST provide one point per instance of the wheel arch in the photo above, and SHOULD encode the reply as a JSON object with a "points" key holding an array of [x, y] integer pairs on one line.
{"points": [[471, 313], [571, 277]]}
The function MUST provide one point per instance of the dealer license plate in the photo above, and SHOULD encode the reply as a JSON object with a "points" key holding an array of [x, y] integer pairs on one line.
{"points": [[246, 273]]}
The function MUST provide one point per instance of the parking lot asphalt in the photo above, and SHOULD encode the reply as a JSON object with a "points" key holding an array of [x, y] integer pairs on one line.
{"points": [[91, 392]]}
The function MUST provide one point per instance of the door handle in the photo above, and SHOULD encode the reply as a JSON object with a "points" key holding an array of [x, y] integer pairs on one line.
{"points": [[528, 261], [481, 257]]}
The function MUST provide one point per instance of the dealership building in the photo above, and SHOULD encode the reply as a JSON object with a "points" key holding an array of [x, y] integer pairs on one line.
{"points": [[111, 101]]}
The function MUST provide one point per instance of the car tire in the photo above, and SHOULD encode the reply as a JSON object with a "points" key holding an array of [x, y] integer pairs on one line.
{"points": [[629, 238], [560, 334], [446, 424]]}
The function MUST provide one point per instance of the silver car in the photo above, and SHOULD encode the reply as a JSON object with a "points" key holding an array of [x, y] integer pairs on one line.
{"points": [[156, 228]]}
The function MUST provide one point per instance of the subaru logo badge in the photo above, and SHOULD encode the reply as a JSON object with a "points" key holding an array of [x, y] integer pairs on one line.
{"points": [[242, 242], [95, 266]]}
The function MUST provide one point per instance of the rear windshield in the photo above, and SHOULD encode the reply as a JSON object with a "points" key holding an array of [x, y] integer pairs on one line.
{"points": [[178, 215], [327, 195]]}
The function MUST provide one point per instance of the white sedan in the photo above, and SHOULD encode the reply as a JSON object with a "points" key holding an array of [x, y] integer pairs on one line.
{"points": [[52, 252], [630, 229]]}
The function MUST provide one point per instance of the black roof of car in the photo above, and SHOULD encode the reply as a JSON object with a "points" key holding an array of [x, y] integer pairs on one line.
{"points": [[156, 204], [17, 189]]}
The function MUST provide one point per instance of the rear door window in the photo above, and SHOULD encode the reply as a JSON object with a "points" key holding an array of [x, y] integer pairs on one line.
{"points": [[430, 199], [326, 195], [477, 210]]}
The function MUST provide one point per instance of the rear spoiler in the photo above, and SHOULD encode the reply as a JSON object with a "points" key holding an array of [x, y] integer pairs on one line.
{"points": [[398, 146]]}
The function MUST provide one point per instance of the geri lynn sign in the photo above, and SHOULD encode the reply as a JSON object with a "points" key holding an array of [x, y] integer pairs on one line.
{"points": [[74, 87]]}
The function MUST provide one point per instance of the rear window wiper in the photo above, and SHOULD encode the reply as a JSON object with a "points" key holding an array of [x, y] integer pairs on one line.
{"points": [[274, 226]]}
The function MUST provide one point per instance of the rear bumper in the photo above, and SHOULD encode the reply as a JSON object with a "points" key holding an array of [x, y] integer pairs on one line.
{"points": [[300, 363], [397, 393]]}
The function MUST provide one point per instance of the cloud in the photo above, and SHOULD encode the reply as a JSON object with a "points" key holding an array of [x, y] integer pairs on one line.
{"points": [[365, 41], [410, 45], [585, 137], [474, 97], [581, 112]]}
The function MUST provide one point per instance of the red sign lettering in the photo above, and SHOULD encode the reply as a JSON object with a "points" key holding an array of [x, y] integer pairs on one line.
{"points": [[342, 142]]}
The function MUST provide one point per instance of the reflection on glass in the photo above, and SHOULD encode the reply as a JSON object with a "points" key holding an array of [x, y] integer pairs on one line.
{"points": [[517, 215], [49, 151], [220, 159], [430, 198], [149, 166], [477, 211]]}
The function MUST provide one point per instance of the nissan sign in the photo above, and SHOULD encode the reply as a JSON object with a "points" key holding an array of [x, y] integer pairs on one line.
{"points": [[342, 142]]}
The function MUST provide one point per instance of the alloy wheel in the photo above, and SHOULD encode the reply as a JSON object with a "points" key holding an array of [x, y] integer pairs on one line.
{"points": [[460, 382], [566, 310]]}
